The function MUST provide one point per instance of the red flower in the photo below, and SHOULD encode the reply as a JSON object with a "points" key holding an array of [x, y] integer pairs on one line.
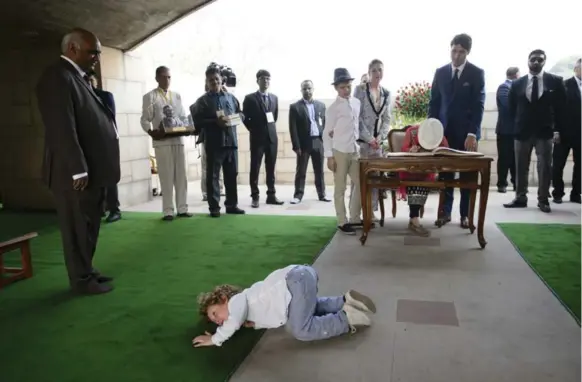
{"points": [[412, 100]]}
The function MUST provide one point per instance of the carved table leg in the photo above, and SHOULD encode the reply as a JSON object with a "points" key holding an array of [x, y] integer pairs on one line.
{"points": [[366, 208], [382, 196], [472, 202], [484, 196]]}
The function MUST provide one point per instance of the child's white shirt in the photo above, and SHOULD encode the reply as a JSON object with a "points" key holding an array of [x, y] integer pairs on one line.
{"points": [[265, 303], [342, 128]]}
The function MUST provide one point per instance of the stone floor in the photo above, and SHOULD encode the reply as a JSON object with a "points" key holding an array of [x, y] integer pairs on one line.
{"points": [[447, 310]]}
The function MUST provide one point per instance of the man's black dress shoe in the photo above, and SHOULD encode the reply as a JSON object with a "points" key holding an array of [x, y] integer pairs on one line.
{"points": [[214, 214], [235, 211], [274, 201], [113, 217], [502, 190], [185, 215], [90, 286], [544, 207], [255, 203], [168, 218], [575, 198], [442, 220], [324, 199], [100, 277], [516, 204]]}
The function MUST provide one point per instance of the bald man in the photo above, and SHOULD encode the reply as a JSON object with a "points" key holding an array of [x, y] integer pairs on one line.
{"points": [[81, 155], [306, 123]]}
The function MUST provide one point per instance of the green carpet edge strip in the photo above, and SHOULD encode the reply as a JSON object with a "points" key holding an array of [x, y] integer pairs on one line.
{"points": [[260, 336], [556, 295]]}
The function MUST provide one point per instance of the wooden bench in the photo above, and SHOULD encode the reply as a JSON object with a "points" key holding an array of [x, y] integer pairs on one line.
{"points": [[8, 275]]}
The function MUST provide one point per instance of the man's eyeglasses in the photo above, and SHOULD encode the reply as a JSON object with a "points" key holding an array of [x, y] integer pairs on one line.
{"points": [[539, 60]]}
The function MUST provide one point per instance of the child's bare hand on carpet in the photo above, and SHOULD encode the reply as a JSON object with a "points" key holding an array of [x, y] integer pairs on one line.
{"points": [[204, 340], [249, 324]]}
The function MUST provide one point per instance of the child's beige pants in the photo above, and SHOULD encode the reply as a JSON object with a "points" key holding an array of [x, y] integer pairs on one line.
{"points": [[346, 165]]}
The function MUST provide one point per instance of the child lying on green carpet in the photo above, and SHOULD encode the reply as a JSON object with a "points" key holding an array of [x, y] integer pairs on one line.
{"points": [[288, 296]]}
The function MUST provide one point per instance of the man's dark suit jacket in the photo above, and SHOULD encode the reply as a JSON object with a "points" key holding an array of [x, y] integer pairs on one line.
{"points": [[79, 130], [541, 119], [107, 99], [572, 121], [256, 118], [203, 113], [505, 123], [300, 123], [460, 109]]}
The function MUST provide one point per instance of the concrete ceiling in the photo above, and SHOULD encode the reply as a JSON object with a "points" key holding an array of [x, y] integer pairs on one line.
{"points": [[121, 24]]}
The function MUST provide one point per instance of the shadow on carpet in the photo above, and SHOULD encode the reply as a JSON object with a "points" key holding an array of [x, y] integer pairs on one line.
{"points": [[553, 252], [142, 331]]}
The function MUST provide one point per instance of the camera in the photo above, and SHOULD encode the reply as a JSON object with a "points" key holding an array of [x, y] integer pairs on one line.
{"points": [[228, 76]]}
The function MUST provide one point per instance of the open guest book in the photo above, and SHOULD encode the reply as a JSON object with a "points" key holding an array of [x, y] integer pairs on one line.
{"points": [[438, 152]]}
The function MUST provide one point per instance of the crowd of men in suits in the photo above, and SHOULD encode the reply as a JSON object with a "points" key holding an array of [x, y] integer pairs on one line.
{"points": [[219, 142], [82, 157], [538, 111]]}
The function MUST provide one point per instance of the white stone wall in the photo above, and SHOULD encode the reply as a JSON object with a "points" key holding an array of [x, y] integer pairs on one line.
{"points": [[124, 75]]}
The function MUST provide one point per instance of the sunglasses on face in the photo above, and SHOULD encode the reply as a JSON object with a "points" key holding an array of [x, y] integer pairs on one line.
{"points": [[539, 60]]}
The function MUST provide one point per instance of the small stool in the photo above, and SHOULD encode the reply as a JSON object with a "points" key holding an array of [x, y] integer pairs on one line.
{"points": [[25, 271]]}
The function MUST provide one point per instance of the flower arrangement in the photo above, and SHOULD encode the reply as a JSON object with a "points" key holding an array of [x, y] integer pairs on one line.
{"points": [[411, 103]]}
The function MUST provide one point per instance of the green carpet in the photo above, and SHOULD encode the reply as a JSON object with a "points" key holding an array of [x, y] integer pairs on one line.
{"points": [[553, 251], [142, 331]]}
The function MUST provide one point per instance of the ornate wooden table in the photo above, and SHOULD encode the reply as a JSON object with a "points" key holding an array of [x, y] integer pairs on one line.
{"points": [[370, 179]]}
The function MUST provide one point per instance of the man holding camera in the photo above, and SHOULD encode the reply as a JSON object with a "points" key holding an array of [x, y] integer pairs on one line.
{"points": [[216, 114], [169, 150], [203, 159]]}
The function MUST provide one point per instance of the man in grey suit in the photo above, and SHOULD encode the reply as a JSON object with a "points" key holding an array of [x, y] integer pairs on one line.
{"points": [[81, 154], [306, 123]]}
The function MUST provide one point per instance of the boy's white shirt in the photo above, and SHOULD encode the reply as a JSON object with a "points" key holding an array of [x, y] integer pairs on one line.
{"points": [[342, 118], [265, 303]]}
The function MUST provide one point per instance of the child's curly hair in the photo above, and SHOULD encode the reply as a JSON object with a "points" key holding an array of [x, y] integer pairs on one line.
{"points": [[217, 296]]}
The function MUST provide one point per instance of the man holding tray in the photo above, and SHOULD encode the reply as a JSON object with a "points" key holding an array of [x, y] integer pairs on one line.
{"points": [[168, 144], [217, 113]]}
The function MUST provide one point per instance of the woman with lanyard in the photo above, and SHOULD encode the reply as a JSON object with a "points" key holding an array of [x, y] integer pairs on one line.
{"points": [[374, 117]]}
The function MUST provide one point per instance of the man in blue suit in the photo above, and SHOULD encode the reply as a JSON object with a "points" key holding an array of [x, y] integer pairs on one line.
{"points": [[505, 131], [458, 100], [111, 193]]}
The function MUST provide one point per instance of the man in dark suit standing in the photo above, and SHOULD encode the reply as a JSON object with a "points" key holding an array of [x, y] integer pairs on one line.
{"points": [[458, 100], [569, 140], [261, 110], [111, 192], [81, 154], [536, 101], [504, 132], [306, 123]]}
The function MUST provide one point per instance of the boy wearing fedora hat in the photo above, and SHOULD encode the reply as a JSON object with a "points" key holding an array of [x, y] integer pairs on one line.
{"points": [[341, 149]]}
